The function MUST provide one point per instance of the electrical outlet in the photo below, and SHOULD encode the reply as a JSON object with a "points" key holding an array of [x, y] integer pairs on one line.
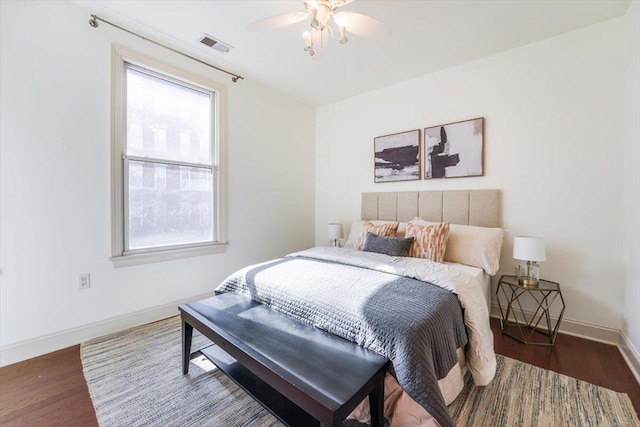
{"points": [[84, 281]]}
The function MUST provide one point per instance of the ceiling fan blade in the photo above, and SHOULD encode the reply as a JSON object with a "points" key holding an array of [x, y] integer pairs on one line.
{"points": [[362, 25], [277, 21]]}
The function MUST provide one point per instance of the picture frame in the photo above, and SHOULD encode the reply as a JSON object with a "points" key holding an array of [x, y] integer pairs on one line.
{"points": [[454, 150], [397, 157]]}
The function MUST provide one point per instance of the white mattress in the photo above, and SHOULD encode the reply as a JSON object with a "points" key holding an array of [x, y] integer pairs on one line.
{"points": [[482, 276]]}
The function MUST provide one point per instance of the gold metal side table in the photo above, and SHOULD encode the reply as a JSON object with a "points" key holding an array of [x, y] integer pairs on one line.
{"points": [[526, 326]]}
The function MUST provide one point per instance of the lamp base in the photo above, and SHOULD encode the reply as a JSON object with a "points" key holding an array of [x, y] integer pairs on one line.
{"points": [[528, 274], [528, 282]]}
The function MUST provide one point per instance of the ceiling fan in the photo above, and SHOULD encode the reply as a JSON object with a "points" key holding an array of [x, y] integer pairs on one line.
{"points": [[322, 14]]}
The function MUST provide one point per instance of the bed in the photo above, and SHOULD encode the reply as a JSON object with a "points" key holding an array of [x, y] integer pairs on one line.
{"points": [[430, 318]]}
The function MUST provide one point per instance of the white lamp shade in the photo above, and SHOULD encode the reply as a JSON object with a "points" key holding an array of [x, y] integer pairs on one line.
{"points": [[335, 231], [529, 248]]}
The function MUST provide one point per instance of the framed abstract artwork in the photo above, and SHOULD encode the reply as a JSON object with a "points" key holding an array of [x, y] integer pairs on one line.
{"points": [[454, 149], [397, 157]]}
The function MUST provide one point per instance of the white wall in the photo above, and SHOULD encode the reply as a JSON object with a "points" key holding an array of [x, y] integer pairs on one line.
{"points": [[553, 143], [631, 314], [55, 85]]}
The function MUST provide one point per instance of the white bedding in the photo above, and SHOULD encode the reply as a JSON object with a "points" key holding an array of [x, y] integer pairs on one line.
{"points": [[481, 359], [483, 278], [471, 286]]}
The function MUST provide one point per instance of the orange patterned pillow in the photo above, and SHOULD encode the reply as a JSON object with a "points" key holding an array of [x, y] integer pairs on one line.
{"points": [[430, 240], [384, 230]]}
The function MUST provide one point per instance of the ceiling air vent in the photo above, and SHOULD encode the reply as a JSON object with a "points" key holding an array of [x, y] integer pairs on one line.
{"points": [[215, 44]]}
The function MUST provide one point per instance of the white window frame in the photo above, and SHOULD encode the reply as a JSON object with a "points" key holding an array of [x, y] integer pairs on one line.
{"points": [[120, 55]]}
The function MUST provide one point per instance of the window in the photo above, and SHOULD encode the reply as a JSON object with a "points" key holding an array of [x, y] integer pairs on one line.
{"points": [[159, 134], [166, 186], [184, 179], [161, 178], [185, 145], [134, 137]]}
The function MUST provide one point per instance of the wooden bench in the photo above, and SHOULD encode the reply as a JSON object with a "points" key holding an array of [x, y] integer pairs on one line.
{"points": [[301, 374]]}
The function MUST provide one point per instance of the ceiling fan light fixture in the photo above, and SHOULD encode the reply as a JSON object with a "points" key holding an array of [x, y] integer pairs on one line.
{"points": [[321, 13], [341, 19], [314, 19], [308, 37], [311, 4], [343, 36], [308, 41]]}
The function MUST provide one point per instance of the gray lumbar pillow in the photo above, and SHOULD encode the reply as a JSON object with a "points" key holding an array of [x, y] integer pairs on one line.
{"points": [[394, 246]]}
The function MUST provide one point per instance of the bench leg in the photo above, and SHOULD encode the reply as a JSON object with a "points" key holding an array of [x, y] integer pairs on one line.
{"points": [[376, 403], [187, 333]]}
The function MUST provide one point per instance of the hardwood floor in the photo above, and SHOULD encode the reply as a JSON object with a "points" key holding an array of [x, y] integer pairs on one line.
{"points": [[50, 390]]}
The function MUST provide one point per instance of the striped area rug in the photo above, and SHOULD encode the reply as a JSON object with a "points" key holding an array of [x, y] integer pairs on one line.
{"points": [[135, 379]]}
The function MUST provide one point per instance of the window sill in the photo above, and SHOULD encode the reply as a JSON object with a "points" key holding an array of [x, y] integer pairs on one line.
{"points": [[147, 258]]}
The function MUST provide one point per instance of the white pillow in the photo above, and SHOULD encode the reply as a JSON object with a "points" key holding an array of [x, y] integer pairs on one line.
{"points": [[356, 231], [475, 246]]}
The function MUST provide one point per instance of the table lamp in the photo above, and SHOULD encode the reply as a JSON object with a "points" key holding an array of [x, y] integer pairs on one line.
{"points": [[335, 234], [531, 250]]}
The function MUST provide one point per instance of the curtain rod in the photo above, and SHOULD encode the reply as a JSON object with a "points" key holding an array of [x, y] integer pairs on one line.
{"points": [[94, 23]]}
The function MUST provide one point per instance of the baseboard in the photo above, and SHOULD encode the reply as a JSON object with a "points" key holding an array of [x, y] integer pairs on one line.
{"points": [[27, 349], [630, 355], [573, 327]]}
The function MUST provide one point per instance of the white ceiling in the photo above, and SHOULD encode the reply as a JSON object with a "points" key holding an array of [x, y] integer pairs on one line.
{"points": [[426, 36]]}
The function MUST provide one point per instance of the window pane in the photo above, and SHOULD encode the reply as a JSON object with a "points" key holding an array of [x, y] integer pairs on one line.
{"points": [[166, 120], [135, 137], [172, 206]]}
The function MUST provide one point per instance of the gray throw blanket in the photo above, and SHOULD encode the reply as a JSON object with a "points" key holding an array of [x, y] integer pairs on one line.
{"points": [[418, 326]]}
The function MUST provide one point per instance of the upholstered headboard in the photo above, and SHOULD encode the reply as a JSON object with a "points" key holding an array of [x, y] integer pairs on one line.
{"points": [[468, 207]]}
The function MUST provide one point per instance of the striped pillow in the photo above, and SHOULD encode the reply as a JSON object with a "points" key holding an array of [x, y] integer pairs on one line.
{"points": [[385, 230], [470, 245], [430, 240]]}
